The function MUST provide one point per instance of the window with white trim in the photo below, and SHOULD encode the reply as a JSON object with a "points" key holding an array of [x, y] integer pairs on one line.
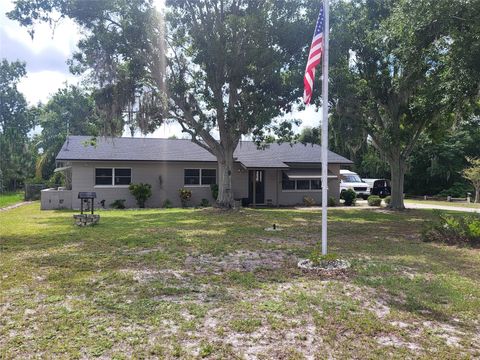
{"points": [[113, 176], [300, 184], [199, 176]]}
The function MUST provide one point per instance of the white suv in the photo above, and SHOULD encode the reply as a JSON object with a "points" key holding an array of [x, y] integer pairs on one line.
{"points": [[351, 180]]}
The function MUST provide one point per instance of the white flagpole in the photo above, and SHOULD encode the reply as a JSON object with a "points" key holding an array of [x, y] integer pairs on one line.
{"points": [[325, 128]]}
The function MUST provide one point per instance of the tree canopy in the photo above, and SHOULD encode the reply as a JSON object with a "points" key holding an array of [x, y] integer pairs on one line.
{"points": [[214, 66], [16, 121], [391, 72], [70, 110]]}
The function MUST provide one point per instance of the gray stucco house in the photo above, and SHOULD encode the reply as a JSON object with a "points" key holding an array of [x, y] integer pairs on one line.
{"points": [[283, 173]]}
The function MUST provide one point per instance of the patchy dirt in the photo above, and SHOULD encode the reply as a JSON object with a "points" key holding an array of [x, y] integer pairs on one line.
{"points": [[392, 340], [145, 275], [6, 208], [242, 260]]}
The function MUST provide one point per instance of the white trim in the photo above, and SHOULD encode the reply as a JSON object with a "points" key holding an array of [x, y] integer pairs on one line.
{"points": [[110, 186]]}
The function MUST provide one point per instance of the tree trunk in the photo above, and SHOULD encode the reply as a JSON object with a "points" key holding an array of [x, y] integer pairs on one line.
{"points": [[477, 195], [225, 171], [397, 168]]}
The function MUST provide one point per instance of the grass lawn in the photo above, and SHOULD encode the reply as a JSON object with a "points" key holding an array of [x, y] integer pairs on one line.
{"points": [[203, 283], [10, 198], [444, 203]]}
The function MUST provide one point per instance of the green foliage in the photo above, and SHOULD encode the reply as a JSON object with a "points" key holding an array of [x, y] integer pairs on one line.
{"points": [[391, 73], [387, 200], [214, 189], [70, 110], [472, 174], [16, 121], [141, 192], [437, 161], [243, 59], [453, 230], [118, 204], [458, 189], [204, 203], [167, 204], [309, 201], [374, 200], [332, 202], [185, 196], [349, 196]]}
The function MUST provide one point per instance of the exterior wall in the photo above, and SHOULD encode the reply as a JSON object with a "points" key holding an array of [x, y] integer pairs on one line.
{"points": [[171, 174], [52, 199], [239, 182], [295, 197]]}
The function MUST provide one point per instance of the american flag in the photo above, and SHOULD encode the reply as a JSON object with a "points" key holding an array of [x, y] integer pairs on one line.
{"points": [[314, 57]]}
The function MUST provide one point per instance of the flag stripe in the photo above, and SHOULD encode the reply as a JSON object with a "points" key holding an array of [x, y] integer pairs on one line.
{"points": [[314, 58]]}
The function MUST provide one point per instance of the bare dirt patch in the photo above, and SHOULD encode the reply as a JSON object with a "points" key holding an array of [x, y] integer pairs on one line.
{"points": [[242, 260]]}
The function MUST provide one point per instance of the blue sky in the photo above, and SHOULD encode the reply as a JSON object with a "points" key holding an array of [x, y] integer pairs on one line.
{"points": [[47, 71]]}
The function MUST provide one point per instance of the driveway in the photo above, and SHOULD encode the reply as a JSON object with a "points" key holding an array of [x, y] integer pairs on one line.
{"points": [[410, 205]]}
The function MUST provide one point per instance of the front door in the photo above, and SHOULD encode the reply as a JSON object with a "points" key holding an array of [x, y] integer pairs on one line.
{"points": [[256, 185]]}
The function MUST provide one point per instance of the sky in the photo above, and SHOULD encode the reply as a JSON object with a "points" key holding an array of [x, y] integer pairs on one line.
{"points": [[46, 57]]}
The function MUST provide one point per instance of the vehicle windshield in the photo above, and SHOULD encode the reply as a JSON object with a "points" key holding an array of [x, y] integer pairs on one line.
{"points": [[352, 178]]}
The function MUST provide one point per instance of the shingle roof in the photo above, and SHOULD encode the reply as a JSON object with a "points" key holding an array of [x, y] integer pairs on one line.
{"points": [[150, 149]]}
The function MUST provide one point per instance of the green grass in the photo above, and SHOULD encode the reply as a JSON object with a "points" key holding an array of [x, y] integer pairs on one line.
{"points": [[10, 198], [444, 203], [184, 283]]}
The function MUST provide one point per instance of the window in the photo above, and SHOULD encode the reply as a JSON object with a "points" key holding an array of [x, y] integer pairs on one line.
{"points": [[287, 184], [316, 184], [113, 176], [300, 184], [192, 177], [209, 176], [200, 176], [103, 176], [123, 176]]}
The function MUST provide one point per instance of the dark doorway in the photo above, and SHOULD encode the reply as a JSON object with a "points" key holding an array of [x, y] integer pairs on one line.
{"points": [[256, 181]]}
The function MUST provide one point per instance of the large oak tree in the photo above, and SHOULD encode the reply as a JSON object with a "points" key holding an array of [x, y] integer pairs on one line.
{"points": [[226, 66], [401, 68]]}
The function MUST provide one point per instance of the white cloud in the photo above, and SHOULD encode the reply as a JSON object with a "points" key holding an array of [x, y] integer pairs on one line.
{"points": [[40, 85]]}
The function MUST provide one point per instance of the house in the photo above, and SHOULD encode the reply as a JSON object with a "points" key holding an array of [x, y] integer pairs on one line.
{"points": [[280, 175]]}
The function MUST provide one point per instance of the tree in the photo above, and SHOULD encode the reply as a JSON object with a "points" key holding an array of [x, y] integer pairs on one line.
{"points": [[436, 163], [391, 63], [16, 121], [70, 110], [231, 66], [472, 174]]}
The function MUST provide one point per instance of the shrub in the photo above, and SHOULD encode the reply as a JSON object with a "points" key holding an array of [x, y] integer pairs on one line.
{"points": [[332, 202], [185, 196], [387, 200], [453, 230], [458, 190], [167, 204], [374, 200], [204, 203], [349, 196], [308, 201], [214, 189], [141, 192], [118, 204]]}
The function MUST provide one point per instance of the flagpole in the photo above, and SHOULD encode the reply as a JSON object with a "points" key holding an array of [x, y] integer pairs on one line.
{"points": [[325, 128]]}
